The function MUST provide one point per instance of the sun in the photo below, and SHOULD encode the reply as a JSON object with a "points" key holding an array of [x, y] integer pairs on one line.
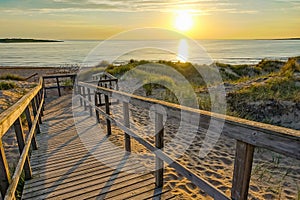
{"points": [[183, 21]]}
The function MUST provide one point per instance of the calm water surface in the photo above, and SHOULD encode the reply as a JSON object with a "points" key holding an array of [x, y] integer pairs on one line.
{"points": [[75, 52]]}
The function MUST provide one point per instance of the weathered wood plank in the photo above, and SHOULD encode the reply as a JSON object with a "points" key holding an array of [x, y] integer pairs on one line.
{"points": [[127, 124], [29, 123], [21, 144], [9, 116], [15, 179], [159, 144], [242, 170], [68, 185], [281, 140], [5, 178], [107, 110]]}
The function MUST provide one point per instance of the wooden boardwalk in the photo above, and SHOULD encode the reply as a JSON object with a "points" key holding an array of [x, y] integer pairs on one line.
{"points": [[64, 167]]}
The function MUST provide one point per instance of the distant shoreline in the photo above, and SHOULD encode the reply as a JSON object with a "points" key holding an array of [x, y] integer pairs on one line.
{"points": [[20, 40]]}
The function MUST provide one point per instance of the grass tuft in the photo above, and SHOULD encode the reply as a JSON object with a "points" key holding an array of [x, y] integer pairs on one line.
{"points": [[7, 85], [11, 77]]}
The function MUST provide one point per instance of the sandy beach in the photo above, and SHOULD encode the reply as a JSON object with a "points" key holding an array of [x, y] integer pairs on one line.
{"points": [[273, 176]]}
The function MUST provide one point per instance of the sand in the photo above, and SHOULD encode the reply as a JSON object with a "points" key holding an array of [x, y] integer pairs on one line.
{"points": [[273, 176]]}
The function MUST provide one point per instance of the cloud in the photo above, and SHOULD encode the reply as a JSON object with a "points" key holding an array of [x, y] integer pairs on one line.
{"points": [[195, 6]]}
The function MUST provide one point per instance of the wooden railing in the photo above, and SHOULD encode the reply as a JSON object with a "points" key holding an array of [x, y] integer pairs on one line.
{"points": [[58, 85], [32, 104], [248, 134]]}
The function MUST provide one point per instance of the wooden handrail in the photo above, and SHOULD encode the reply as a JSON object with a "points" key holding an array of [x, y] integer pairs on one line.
{"points": [[18, 171], [58, 86], [9, 116], [12, 116], [249, 134], [279, 139], [205, 185]]}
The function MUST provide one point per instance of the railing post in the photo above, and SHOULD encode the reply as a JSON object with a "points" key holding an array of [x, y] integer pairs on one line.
{"points": [[5, 178], [29, 122], [127, 124], [84, 95], [159, 143], [58, 86], [108, 124], [21, 143], [40, 96], [80, 93], [37, 103], [96, 105], [44, 88], [90, 100], [34, 109], [242, 170]]}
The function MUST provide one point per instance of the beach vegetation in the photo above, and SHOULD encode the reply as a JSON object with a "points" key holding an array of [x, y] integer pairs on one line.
{"points": [[12, 77], [68, 83], [7, 85]]}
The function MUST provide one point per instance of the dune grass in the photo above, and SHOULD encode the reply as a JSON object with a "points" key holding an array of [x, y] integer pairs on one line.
{"points": [[11, 77], [7, 85]]}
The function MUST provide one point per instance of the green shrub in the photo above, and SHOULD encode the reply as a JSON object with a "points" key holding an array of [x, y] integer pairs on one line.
{"points": [[7, 85], [11, 77]]}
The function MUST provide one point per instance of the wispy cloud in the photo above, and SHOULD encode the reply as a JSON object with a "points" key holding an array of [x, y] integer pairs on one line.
{"points": [[196, 6]]}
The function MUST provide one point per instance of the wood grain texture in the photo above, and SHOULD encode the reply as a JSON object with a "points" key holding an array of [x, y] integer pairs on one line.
{"points": [[242, 170], [9, 116], [279, 139], [65, 168]]}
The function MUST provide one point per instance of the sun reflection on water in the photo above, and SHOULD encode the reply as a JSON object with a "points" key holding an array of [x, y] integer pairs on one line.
{"points": [[183, 51]]}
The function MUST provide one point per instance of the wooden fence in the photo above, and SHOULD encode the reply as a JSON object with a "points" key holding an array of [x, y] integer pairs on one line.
{"points": [[58, 85], [248, 134], [32, 105]]}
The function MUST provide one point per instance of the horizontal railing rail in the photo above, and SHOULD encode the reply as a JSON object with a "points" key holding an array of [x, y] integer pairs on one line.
{"points": [[249, 134], [32, 104], [58, 86]]}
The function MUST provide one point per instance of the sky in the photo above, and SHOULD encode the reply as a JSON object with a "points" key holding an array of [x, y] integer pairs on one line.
{"points": [[100, 19]]}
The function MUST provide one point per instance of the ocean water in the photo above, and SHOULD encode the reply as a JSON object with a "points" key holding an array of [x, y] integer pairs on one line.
{"points": [[89, 53]]}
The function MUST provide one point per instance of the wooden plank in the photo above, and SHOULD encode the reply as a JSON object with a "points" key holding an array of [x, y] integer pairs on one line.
{"points": [[43, 167], [68, 185], [96, 100], [96, 184], [200, 182], [9, 116], [84, 95], [35, 113], [242, 170], [5, 178], [159, 144], [29, 123], [21, 144], [90, 99], [79, 170], [59, 76], [129, 191], [15, 179], [58, 86], [127, 124], [281, 140], [108, 124], [80, 93], [70, 161], [37, 104]]}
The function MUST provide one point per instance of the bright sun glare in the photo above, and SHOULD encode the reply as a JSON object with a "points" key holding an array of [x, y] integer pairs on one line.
{"points": [[183, 21]]}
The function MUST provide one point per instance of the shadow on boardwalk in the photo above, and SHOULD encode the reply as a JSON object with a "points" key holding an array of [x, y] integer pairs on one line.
{"points": [[64, 167]]}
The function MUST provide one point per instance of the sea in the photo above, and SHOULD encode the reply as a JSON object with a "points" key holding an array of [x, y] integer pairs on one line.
{"points": [[90, 53]]}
